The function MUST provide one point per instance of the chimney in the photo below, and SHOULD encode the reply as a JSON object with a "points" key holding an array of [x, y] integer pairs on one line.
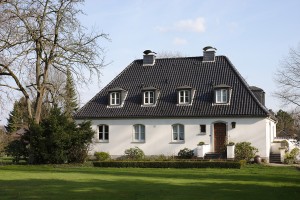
{"points": [[259, 94], [149, 58], [209, 54]]}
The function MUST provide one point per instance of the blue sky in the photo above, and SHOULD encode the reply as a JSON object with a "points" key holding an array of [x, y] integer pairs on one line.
{"points": [[254, 35]]}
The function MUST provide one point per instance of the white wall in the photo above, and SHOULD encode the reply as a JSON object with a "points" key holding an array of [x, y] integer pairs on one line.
{"points": [[159, 134]]}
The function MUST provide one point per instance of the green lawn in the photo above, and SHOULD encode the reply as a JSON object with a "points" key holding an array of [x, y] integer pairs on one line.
{"points": [[61, 182]]}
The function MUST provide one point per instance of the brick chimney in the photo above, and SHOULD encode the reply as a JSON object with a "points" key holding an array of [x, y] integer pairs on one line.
{"points": [[149, 58], [209, 54]]}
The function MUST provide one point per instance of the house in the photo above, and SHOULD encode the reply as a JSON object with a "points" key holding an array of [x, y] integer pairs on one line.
{"points": [[164, 105]]}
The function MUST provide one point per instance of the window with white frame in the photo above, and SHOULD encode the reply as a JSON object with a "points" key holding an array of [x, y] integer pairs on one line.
{"points": [[178, 132], [221, 96], [184, 96], [149, 98], [115, 98], [139, 133], [103, 133]]}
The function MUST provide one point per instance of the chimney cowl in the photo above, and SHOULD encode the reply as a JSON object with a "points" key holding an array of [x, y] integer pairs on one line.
{"points": [[209, 54], [149, 58]]}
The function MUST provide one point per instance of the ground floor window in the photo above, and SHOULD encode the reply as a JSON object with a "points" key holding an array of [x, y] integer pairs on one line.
{"points": [[178, 132], [139, 133], [103, 133]]}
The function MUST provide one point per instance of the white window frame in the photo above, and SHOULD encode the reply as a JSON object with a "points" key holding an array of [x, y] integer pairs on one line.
{"points": [[222, 95], [103, 133], [184, 96], [139, 133], [115, 98], [149, 97], [178, 133]]}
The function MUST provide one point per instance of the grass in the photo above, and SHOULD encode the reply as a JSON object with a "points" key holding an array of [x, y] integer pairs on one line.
{"points": [[74, 182]]}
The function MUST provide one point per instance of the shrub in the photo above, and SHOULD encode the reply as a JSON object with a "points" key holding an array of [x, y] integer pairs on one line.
{"points": [[244, 151], [185, 153], [168, 164], [102, 156], [290, 158], [56, 140], [134, 154]]}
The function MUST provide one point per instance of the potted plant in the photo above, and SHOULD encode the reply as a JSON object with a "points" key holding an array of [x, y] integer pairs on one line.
{"points": [[201, 143]]}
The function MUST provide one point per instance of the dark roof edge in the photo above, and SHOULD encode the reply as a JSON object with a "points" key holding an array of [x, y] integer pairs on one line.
{"points": [[104, 88], [172, 117], [264, 108]]}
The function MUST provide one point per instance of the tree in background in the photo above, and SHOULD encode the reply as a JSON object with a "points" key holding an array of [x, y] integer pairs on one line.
{"points": [[285, 125], [288, 78], [70, 97], [18, 117], [38, 36]]}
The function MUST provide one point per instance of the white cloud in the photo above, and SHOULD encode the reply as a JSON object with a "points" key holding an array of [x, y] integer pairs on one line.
{"points": [[192, 25], [179, 41], [197, 25]]}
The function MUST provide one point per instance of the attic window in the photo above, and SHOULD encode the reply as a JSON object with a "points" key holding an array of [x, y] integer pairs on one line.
{"points": [[116, 97], [150, 95], [222, 94], [185, 95]]}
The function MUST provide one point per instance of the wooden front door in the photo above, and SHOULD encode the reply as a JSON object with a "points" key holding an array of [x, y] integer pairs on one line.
{"points": [[219, 136]]}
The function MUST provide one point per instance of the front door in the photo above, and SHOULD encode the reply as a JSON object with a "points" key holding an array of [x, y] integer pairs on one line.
{"points": [[219, 136]]}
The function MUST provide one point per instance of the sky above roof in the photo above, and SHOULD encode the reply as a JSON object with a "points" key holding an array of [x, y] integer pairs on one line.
{"points": [[255, 35]]}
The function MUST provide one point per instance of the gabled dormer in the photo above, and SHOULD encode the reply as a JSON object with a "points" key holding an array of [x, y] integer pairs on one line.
{"points": [[185, 95], [222, 94], [116, 97], [150, 96]]}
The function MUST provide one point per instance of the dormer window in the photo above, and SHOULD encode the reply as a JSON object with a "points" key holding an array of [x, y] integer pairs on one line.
{"points": [[185, 95], [150, 96], [116, 97], [222, 94]]}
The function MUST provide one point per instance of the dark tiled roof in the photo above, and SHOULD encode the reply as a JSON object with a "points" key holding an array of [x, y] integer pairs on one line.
{"points": [[167, 75]]}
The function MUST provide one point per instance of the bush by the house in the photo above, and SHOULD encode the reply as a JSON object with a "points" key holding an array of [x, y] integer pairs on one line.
{"points": [[168, 164], [244, 151], [56, 140], [134, 154], [290, 158], [185, 153], [102, 156]]}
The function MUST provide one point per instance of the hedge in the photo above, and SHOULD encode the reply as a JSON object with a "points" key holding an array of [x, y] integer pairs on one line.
{"points": [[168, 164]]}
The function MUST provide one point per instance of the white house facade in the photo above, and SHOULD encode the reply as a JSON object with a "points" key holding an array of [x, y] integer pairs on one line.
{"points": [[165, 105]]}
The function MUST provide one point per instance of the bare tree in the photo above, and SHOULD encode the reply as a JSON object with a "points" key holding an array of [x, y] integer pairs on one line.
{"points": [[39, 35], [288, 78]]}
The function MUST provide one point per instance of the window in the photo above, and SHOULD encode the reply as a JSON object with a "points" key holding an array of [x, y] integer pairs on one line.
{"points": [[115, 98], [148, 97], [139, 133], [178, 132], [103, 133], [203, 128], [222, 96], [184, 96]]}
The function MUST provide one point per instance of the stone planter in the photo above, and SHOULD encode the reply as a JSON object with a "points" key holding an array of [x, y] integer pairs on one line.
{"points": [[230, 152], [202, 150]]}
